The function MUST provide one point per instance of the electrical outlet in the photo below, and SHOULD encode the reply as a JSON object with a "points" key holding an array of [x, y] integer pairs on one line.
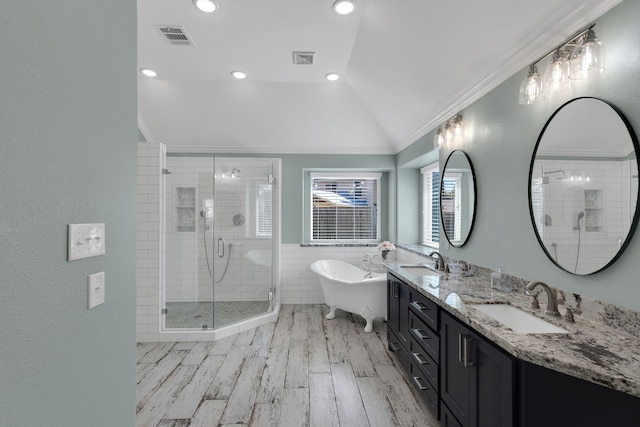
{"points": [[85, 240], [95, 289]]}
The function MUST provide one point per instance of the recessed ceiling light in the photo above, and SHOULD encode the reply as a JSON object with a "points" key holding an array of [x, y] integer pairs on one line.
{"points": [[239, 74], [148, 72], [332, 77], [205, 5], [344, 7]]}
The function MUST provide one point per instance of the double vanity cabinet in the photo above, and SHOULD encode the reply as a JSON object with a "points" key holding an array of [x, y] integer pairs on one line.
{"points": [[468, 381], [465, 380]]}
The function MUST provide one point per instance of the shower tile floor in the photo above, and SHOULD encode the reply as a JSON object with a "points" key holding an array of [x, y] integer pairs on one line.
{"points": [[194, 315]]}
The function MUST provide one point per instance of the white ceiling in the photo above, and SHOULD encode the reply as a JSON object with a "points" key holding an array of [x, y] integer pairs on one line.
{"points": [[406, 66]]}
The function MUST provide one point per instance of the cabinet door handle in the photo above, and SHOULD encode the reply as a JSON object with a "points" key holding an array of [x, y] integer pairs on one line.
{"points": [[394, 346], [419, 305], [420, 358], [464, 352], [420, 334], [418, 382], [469, 351], [460, 348], [395, 289]]}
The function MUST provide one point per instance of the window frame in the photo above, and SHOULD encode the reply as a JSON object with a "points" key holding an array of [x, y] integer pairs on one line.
{"points": [[428, 204], [264, 212], [345, 176]]}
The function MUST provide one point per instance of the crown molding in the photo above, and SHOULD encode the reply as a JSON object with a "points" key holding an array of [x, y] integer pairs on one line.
{"points": [[538, 44]]}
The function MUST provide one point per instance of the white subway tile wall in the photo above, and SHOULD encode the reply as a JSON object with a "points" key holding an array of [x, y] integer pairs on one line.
{"points": [[300, 285], [149, 245]]}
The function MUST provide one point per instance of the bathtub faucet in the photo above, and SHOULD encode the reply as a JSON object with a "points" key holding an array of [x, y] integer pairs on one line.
{"points": [[372, 264]]}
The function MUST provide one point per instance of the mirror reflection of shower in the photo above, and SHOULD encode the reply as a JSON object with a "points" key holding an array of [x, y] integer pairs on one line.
{"points": [[577, 227]]}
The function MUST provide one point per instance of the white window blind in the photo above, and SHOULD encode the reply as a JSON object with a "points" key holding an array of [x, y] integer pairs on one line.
{"points": [[264, 209], [431, 205], [345, 207], [450, 204]]}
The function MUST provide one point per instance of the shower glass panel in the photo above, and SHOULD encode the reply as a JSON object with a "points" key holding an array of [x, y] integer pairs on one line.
{"points": [[218, 228]]}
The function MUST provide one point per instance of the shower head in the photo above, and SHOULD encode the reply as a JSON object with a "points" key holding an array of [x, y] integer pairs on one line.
{"points": [[564, 174], [580, 215]]}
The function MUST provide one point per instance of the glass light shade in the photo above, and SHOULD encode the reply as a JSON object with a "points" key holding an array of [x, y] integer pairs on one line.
{"points": [[148, 72], [344, 7], [530, 88], [205, 5], [458, 127], [556, 75], [587, 59], [239, 74], [438, 140], [448, 133]]}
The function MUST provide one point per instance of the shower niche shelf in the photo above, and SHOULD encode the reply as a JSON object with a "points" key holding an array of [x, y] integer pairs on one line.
{"points": [[593, 211], [185, 209]]}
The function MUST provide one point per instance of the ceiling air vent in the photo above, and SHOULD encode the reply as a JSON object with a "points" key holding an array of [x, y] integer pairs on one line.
{"points": [[303, 58], [174, 35]]}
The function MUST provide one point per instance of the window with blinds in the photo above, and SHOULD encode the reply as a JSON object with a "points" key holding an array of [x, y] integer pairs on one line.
{"points": [[450, 205], [345, 207], [264, 209], [431, 205]]}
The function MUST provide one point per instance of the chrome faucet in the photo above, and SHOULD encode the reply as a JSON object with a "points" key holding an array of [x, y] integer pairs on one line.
{"points": [[439, 261], [552, 302]]}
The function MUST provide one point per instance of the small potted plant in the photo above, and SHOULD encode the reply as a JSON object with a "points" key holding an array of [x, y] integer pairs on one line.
{"points": [[385, 247]]}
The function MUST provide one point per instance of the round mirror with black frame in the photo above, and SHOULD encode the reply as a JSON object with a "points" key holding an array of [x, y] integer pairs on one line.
{"points": [[583, 186], [457, 198]]}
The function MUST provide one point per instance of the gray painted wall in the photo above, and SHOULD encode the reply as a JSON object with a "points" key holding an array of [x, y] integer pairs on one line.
{"points": [[503, 136], [67, 155]]}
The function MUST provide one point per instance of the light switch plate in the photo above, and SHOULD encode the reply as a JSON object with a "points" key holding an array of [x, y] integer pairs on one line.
{"points": [[95, 289], [85, 240]]}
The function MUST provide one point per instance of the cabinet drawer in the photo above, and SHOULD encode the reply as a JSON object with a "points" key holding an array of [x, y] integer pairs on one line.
{"points": [[398, 349], [427, 391], [424, 336], [447, 419], [393, 343], [420, 358], [425, 309]]}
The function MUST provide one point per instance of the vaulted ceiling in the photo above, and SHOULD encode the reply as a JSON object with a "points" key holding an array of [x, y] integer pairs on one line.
{"points": [[405, 66]]}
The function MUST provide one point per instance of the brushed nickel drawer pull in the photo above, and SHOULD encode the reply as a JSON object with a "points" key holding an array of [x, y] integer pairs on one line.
{"points": [[419, 305], [420, 333], [420, 358], [418, 382]]}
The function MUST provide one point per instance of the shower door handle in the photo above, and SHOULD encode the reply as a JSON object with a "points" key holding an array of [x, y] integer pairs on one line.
{"points": [[221, 251]]}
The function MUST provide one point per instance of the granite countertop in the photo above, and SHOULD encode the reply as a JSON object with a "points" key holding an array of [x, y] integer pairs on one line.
{"points": [[591, 350]]}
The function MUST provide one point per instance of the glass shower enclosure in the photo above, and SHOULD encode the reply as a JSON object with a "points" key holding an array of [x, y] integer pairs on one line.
{"points": [[219, 240]]}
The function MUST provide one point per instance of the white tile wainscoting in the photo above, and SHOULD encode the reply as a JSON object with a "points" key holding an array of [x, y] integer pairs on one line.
{"points": [[301, 286]]}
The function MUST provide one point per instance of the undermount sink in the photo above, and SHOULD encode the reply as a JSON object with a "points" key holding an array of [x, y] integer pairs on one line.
{"points": [[518, 320], [420, 270]]}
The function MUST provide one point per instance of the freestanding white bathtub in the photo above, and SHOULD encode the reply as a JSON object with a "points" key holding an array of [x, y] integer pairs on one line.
{"points": [[348, 288]]}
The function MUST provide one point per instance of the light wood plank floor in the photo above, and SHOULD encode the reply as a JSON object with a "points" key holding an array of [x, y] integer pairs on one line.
{"points": [[303, 370]]}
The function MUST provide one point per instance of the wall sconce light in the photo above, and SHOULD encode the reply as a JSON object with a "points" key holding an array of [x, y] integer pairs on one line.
{"points": [[449, 131], [582, 57]]}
